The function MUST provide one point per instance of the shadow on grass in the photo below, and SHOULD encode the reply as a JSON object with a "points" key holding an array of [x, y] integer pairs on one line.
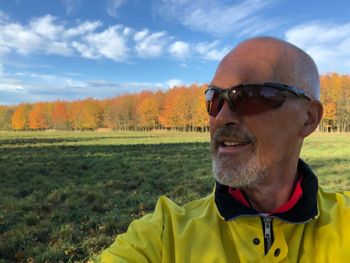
{"points": [[35, 141], [77, 198]]}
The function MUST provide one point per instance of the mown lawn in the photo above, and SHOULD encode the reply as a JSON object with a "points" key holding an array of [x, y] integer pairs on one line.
{"points": [[65, 196]]}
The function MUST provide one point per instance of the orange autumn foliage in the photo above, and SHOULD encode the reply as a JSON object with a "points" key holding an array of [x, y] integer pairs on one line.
{"points": [[335, 95], [38, 117], [60, 117], [20, 117], [181, 108], [148, 110]]}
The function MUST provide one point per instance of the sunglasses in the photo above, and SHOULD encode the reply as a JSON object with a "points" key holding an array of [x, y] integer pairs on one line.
{"points": [[248, 99]]}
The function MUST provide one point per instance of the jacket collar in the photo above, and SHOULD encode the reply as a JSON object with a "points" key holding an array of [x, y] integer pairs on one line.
{"points": [[304, 210]]}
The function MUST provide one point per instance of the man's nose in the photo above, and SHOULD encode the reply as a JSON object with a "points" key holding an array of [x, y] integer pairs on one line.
{"points": [[226, 115]]}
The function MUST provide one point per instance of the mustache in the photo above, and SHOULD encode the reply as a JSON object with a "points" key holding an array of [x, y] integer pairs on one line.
{"points": [[232, 132]]}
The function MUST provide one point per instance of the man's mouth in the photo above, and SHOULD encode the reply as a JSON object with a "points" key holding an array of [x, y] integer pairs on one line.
{"points": [[232, 144], [233, 147], [232, 141]]}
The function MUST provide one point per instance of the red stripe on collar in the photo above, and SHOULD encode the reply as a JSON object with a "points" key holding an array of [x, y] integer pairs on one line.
{"points": [[297, 193], [238, 195]]}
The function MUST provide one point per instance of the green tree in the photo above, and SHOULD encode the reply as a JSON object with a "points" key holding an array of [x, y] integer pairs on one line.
{"points": [[5, 117]]}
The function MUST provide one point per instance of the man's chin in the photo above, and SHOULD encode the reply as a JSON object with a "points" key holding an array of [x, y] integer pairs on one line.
{"points": [[245, 174], [228, 161]]}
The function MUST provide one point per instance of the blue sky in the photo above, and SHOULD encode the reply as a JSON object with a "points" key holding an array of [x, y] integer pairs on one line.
{"points": [[73, 49]]}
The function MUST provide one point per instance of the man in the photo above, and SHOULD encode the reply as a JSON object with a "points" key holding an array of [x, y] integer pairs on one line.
{"points": [[266, 207]]}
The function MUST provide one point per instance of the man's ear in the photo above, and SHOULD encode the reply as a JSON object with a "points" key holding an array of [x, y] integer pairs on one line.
{"points": [[313, 117]]}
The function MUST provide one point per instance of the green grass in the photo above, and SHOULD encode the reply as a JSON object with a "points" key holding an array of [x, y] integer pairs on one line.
{"points": [[329, 156], [65, 196]]}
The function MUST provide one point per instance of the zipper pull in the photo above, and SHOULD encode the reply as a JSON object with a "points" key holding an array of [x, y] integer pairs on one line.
{"points": [[267, 233], [267, 227]]}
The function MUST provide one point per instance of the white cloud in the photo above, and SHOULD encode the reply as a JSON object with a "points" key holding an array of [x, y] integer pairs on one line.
{"points": [[59, 48], [219, 17], [85, 27], [18, 38], [88, 39], [141, 34], [327, 44], [211, 51], [180, 49], [25, 86], [113, 6], [40, 36], [135, 86], [150, 45], [85, 50], [32, 87], [111, 43], [45, 35], [127, 31], [174, 82], [46, 27]]}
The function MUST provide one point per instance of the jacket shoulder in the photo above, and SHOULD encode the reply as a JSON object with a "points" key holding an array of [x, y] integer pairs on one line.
{"points": [[335, 203], [193, 209], [144, 239]]}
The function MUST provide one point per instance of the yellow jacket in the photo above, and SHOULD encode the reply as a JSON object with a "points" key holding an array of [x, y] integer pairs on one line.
{"points": [[220, 229]]}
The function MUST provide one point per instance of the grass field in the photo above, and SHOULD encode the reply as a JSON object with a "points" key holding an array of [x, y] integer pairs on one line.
{"points": [[65, 196]]}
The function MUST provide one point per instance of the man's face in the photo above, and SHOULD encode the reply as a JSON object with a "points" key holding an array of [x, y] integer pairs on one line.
{"points": [[247, 148]]}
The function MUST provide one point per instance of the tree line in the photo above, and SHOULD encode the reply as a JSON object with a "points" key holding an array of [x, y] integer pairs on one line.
{"points": [[180, 108]]}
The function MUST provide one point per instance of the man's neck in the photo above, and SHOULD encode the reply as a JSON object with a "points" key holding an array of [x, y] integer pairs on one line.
{"points": [[273, 192]]}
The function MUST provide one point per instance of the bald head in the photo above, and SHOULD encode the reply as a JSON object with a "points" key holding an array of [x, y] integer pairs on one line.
{"points": [[266, 59]]}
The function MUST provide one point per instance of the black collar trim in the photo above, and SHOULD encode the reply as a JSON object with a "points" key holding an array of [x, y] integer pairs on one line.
{"points": [[304, 210]]}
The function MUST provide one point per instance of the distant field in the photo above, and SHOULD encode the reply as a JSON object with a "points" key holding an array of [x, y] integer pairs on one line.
{"points": [[65, 196], [329, 156]]}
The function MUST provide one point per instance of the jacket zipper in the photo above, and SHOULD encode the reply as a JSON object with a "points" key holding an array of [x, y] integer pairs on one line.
{"points": [[268, 235]]}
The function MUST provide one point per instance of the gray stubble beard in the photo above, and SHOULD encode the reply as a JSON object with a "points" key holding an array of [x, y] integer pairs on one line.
{"points": [[243, 176]]}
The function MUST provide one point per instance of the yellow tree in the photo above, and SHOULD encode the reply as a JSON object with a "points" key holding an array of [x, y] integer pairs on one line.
{"points": [[178, 109], [169, 118], [110, 113], [91, 114], [5, 117], [194, 103], [148, 110], [85, 114], [75, 114], [201, 119], [329, 85], [160, 98], [335, 95], [329, 116], [20, 117]]}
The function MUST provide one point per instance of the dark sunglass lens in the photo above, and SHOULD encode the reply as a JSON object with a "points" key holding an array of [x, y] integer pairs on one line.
{"points": [[212, 101], [210, 98], [255, 100], [273, 97]]}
